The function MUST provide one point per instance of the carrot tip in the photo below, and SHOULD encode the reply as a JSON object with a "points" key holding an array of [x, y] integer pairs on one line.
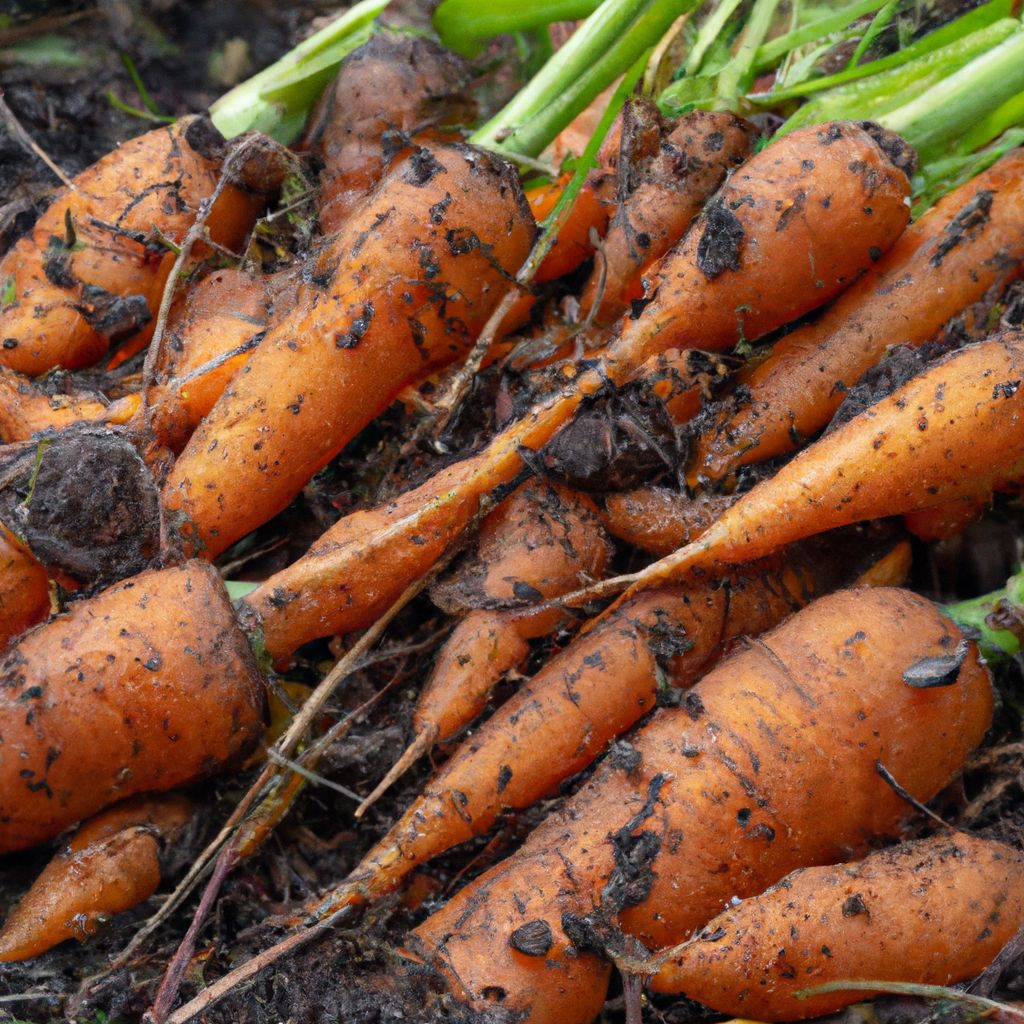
{"points": [[419, 746]]}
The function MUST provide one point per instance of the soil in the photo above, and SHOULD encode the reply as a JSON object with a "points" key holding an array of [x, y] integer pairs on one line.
{"points": [[69, 100]]}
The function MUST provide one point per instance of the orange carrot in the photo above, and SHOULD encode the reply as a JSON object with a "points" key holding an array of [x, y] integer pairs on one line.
{"points": [[24, 588], [933, 912], [26, 409], [970, 243], [93, 269], [154, 671], [954, 431], [661, 190], [111, 864], [771, 763], [589, 694], [403, 290], [659, 520], [361, 565], [393, 87], [536, 545]]}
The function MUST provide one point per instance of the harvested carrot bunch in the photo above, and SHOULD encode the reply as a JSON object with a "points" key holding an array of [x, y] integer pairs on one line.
{"points": [[596, 372]]}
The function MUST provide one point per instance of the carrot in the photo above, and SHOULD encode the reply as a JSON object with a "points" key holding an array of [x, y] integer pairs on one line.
{"points": [[771, 763], [970, 243], [932, 912], [589, 694], [211, 337], [661, 190], [361, 565], [391, 88], [153, 671], [92, 271], [659, 520], [112, 863], [954, 431], [402, 291], [26, 409], [24, 588], [536, 545], [949, 520]]}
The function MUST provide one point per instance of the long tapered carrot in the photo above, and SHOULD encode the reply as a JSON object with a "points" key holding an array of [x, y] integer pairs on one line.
{"points": [[401, 291], [954, 431], [93, 269], [591, 693], [772, 208], [772, 763], [153, 672], [969, 244]]}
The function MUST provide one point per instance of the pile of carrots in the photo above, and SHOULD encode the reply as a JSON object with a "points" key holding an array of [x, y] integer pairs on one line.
{"points": [[756, 710]]}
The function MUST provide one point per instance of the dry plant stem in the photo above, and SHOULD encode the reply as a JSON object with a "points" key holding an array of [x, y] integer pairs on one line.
{"points": [[15, 127], [986, 1006], [176, 968], [251, 968]]}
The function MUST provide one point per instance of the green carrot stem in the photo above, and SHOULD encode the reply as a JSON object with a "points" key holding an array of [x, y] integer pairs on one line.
{"points": [[586, 161], [463, 25], [736, 76], [946, 35], [1009, 115], [709, 32], [878, 22], [990, 614], [950, 107], [599, 52], [771, 53]]}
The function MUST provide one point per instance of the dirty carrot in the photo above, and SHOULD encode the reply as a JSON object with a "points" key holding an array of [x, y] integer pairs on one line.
{"points": [[421, 86], [26, 409], [363, 562], [534, 546], [770, 763], [665, 175], [400, 292], [92, 271], [969, 244], [154, 669], [932, 912], [589, 694], [954, 431], [660, 520], [112, 863], [24, 588]]}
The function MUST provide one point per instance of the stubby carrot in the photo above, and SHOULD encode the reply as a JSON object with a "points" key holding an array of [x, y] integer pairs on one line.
{"points": [[211, 336], [153, 673], [111, 864], [26, 409], [771, 763], [361, 565], [658, 519], [391, 88], [660, 191], [954, 431], [591, 693], [969, 244], [93, 269], [24, 588], [401, 291], [535, 546], [933, 912]]}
